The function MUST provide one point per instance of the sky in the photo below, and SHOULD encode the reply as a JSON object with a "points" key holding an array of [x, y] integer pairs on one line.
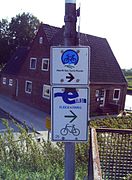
{"points": [[110, 19]]}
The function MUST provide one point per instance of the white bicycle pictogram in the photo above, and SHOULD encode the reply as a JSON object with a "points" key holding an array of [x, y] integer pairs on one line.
{"points": [[70, 129]]}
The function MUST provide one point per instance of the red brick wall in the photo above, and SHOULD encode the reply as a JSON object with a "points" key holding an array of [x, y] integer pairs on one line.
{"points": [[6, 89], [94, 104], [37, 76]]}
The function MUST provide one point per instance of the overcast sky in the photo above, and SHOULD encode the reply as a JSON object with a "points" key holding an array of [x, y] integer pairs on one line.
{"points": [[110, 19]]}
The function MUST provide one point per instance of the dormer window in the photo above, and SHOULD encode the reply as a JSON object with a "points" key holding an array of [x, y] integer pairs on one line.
{"points": [[45, 64], [40, 40], [33, 62]]}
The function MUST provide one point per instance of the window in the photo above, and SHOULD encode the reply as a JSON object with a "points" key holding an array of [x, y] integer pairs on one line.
{"points": [[116, 94], [45, 64], [46, 91], [33, 62], [10, 82], [28, 87], [4, 80], [97, 93], [41, 40]]}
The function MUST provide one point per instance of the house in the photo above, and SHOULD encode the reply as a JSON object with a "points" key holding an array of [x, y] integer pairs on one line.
{"points": [[26, 77]]}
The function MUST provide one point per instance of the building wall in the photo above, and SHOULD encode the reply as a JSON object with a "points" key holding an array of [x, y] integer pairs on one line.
{"points": [[39, 78], [35, 98], [38, 51], [111, 106], [8, 88]]}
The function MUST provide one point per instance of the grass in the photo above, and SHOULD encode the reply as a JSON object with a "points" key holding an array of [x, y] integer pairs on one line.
{"points": [[129, 80], [28, 159]]}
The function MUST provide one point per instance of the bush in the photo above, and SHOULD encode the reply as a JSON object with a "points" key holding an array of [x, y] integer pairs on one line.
{"points": [[113, 122], [26, 158]]}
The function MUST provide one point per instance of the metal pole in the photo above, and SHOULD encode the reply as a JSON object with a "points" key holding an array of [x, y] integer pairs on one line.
{"points": [[70, 39], [70, 34]]}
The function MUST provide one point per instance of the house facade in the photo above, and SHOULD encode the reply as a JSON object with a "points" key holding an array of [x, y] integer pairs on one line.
{"points": [[26, 77]]}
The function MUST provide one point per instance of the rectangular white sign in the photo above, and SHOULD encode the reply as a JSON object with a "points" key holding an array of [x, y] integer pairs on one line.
{"points": [[70, 1], [70, 114], [70, 65]]}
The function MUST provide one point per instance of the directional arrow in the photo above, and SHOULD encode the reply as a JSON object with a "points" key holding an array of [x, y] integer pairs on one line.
{"points": [[70, 77], [73, 116]]}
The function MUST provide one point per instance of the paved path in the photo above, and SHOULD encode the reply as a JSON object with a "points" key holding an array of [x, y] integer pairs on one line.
{"points": [[23, 113]]}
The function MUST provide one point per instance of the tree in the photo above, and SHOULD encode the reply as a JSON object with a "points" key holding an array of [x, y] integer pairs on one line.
{"points": [[127, 72], [22, 29], [4, 36], [4, 28], [19, 32]]}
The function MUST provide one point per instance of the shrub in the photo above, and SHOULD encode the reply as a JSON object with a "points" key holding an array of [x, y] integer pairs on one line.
{"points": [[26, 158]]}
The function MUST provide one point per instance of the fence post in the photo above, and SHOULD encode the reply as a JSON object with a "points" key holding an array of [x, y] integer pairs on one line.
{"points": [[90, 162], [94, 168]]}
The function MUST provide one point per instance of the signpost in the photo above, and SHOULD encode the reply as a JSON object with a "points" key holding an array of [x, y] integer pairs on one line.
{"points": [[70, 65], [70, 90], [69, 114]]}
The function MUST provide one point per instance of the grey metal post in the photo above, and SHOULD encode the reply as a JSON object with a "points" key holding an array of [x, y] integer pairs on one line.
{"points": [[70, 39]]}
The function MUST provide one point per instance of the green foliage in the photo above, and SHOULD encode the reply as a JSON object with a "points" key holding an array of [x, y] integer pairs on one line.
{"points": [[26, 158], [113, 122], [128, 75], [127, 72], [129, 177], [129, 80], [22, 29], [4, 36], [19, 32]]}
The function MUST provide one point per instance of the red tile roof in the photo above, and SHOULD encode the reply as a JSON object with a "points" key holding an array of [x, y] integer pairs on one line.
{"points": [[104, 67]]}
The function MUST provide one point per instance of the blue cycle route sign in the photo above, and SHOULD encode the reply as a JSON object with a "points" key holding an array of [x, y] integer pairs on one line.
{"points": [[70, 65], [70, 57]]}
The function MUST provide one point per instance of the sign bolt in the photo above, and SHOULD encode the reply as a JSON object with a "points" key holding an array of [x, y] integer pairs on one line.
{"points": [[62, 80]]}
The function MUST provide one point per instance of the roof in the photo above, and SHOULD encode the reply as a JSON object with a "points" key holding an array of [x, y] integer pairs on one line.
{"points": [[15, 62], [104, 67], [50, 31], [103, 64]]}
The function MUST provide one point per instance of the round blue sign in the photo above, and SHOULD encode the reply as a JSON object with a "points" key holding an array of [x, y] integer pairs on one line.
{"points": [[70, 57]]}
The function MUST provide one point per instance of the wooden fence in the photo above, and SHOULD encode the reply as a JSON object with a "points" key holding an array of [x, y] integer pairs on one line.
{"points": [[110, 154]]}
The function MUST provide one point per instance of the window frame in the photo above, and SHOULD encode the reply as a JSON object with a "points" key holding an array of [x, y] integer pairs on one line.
{"points": [[97, 93], [32, 58], [10, 82], [41, 40], [45, 87], [119, 91], [45, 59], [26, 83], [4, 80]]}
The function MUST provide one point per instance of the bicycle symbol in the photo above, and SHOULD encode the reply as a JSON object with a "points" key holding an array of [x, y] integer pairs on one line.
{"points": [[70, 57], [71, 129]]}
